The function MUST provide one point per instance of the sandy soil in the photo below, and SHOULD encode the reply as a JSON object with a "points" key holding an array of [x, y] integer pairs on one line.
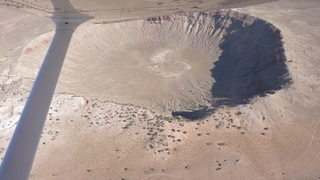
{"points": [[272, 137]]}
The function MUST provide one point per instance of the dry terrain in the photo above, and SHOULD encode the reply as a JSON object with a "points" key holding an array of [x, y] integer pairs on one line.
{"points": [[228, 94]]}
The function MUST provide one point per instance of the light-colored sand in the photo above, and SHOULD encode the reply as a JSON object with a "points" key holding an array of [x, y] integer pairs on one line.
{"points": [[273, 137]]}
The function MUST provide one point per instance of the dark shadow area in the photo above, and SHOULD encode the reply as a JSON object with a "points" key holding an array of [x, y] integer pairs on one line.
{"points": [[194, 115], [252, 63]]}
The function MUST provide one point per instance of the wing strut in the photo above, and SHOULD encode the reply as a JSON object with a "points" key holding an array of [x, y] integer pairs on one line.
{"points": [[19, 157]]}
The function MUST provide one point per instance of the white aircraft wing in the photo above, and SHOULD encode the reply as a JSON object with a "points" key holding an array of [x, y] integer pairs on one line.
{"points": [[104, 11]]}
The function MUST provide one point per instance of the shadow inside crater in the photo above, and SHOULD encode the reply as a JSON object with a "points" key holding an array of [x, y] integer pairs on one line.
{"points": [[252, 63]]}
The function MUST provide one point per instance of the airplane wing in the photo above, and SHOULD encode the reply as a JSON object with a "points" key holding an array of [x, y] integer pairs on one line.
{"points": [[104, 11]]}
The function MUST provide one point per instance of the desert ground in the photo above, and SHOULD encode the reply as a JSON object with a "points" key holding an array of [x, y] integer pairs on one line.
{"points": [[224, 94]]}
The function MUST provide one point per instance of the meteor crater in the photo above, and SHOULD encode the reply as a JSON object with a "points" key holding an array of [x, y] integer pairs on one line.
{"points": [[183, 64]]}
